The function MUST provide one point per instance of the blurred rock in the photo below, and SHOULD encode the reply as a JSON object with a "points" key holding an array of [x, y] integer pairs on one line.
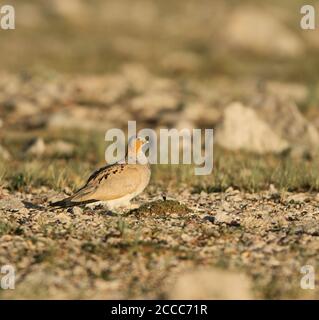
{"points": [[77, 211], [149, 105], [4, 153], [211, 284], [259, 31], [83, 118], [298, 197], [60, 148], [181, 61], [137, 76], [23, 107], [74, 11], [241, 128], [12, 204], [101, 90], [36, 147], [288, 122], [295, 91], [223, 217], [201, 114]]}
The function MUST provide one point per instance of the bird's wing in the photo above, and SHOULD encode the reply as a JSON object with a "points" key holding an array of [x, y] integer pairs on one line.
{"points": [[110, 182]]}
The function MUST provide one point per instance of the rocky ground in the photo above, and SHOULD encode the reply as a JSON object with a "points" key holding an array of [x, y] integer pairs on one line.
{"points": [[164, 249], [244, 231]]}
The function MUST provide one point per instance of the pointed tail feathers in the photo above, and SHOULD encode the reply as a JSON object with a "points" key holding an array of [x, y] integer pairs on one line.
{"points": [[67, 203]]}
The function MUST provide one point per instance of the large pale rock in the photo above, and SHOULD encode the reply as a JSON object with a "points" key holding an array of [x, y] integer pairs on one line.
{"points": [[288, 122], [261, 32], [211, 284], [242, 129]]}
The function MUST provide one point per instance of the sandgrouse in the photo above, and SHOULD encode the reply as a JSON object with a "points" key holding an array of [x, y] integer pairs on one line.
{"points": [[116, 184]]}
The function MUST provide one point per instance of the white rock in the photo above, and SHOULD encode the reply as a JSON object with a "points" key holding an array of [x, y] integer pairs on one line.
{"points": [[242, 129]]}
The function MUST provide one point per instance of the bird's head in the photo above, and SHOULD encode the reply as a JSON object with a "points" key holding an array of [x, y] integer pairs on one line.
{"points": [[136, 144]]}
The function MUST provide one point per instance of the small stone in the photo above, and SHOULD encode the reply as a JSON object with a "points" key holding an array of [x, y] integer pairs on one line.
{"points": [[12, 204], [298, 198], [62, 217], [186, 237], [311, 229], [211, 232], [76, 211], [6, 238], [222, 217]]}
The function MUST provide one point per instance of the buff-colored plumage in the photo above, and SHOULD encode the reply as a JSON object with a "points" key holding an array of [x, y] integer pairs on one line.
{"points": [[114, 185]]}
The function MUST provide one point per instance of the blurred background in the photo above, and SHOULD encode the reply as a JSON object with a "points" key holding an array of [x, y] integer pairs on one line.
{"points": [[244, 68], [198, 38]]}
